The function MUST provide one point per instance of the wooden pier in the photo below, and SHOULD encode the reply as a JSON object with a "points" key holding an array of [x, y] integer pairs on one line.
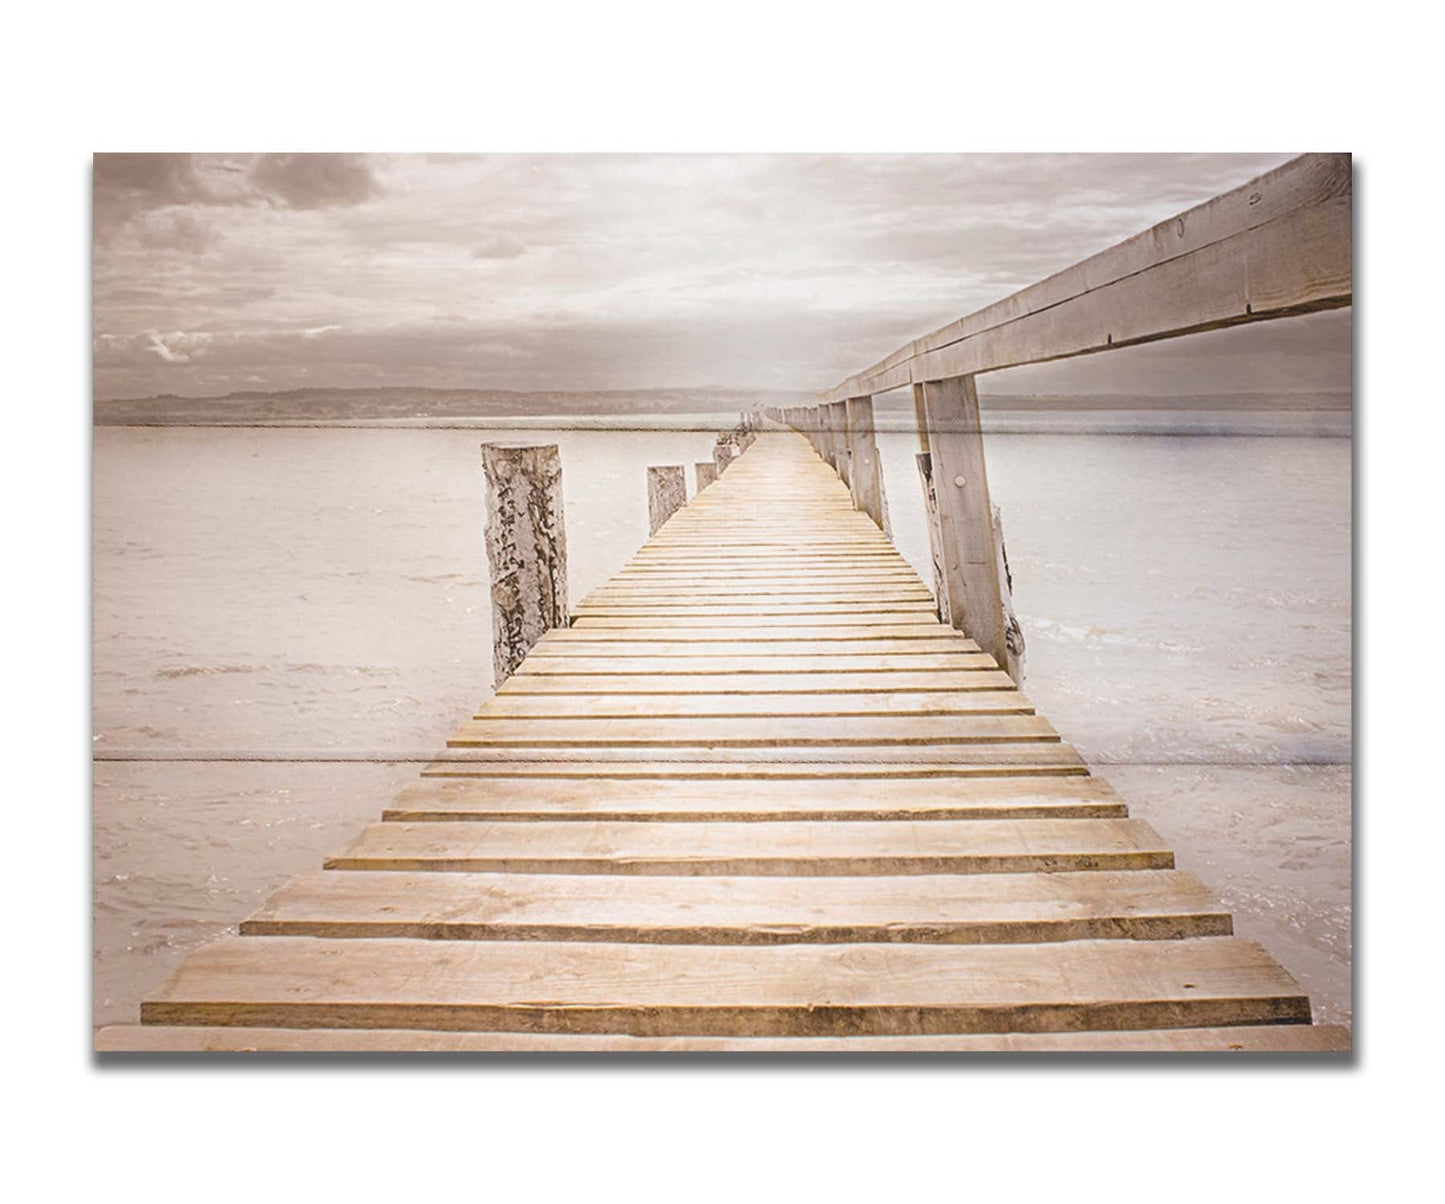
{"points": [[768, 791], [756, 797]]}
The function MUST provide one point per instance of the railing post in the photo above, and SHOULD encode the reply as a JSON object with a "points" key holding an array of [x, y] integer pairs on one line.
{"points": [[842, 447], [865, 471], [666, 494], [973, 598], [526, 542], [930, 514]]}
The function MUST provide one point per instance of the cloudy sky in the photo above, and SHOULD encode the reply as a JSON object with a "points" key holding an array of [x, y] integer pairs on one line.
{"points": [[216, 273]]}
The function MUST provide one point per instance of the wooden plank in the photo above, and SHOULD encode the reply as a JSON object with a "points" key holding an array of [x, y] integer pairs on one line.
{"points": [[1303, 1039], [993, 761], [816, 625], [789, 990], [1298, 264], [649, 595], [1279, 244], [838, 633], [751, 800], [754, 731], [754, 609], [774, 662], [937, 909], [950, 644], [716, 706], [747, 684], [981, 846]]}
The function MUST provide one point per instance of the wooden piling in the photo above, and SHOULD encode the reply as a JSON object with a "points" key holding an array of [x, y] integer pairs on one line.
{"points": [[1013, 633], [666, 494], [935, 552], [526, 542], [706, 473], [865, 475]]}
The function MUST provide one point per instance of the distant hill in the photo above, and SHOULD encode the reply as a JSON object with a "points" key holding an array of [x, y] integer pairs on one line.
{"points": [[405, 405], [401, 404]]}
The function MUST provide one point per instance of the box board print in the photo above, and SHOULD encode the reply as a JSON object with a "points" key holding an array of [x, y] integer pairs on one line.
{"points": [[618, 603]]}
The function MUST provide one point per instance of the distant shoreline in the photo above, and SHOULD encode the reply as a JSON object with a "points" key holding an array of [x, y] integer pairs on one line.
{"points": [[1110, 420]]}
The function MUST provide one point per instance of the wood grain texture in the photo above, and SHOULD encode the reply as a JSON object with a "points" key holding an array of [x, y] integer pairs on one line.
{"points": [[1297, 1039], [940, 909], [713, 849], [755, 732], [790, 990], [684, 800]]}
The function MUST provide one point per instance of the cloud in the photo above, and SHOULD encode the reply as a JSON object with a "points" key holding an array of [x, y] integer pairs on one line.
{"points": [[177, 347], [170, 230], [159, 199], [314, 181]]}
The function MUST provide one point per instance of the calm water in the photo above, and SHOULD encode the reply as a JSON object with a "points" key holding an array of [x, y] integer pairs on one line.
{"points": [[1186, 603]]}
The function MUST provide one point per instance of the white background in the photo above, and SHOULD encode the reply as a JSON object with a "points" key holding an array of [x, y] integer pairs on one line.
{"points": [[736, 77]]}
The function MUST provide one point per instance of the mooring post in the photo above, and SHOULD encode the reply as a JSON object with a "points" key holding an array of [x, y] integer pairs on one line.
{"points": [[865, 473], [666, 494], [526, 541], [972, 592], [706, 473]]}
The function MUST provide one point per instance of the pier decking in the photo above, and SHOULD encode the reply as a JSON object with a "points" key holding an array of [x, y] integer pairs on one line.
{"points": [[755, 797]]}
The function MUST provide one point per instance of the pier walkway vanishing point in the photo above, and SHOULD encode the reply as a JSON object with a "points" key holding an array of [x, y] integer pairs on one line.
{"points": [[756, 797]]}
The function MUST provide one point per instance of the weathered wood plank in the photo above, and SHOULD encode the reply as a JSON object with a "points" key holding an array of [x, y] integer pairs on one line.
{"points": [[941, 641], [791, 990], [754, 799], [979, 846], [987, 761], [754, 732], [816, 626], [773, 662], [155, 1038], [757, 609], [718, 706], [747, 684], [622, 647], [838, 635], [941, 909]]}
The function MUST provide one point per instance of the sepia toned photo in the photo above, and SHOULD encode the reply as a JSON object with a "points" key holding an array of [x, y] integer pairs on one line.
{"points": [[718, 604]]}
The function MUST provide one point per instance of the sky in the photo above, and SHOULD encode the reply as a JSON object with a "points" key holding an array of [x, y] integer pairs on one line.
{"points": [[223, 273]]}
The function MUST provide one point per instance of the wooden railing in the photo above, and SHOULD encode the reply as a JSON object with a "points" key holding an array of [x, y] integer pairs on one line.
{"points": [[1276, 247]]}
